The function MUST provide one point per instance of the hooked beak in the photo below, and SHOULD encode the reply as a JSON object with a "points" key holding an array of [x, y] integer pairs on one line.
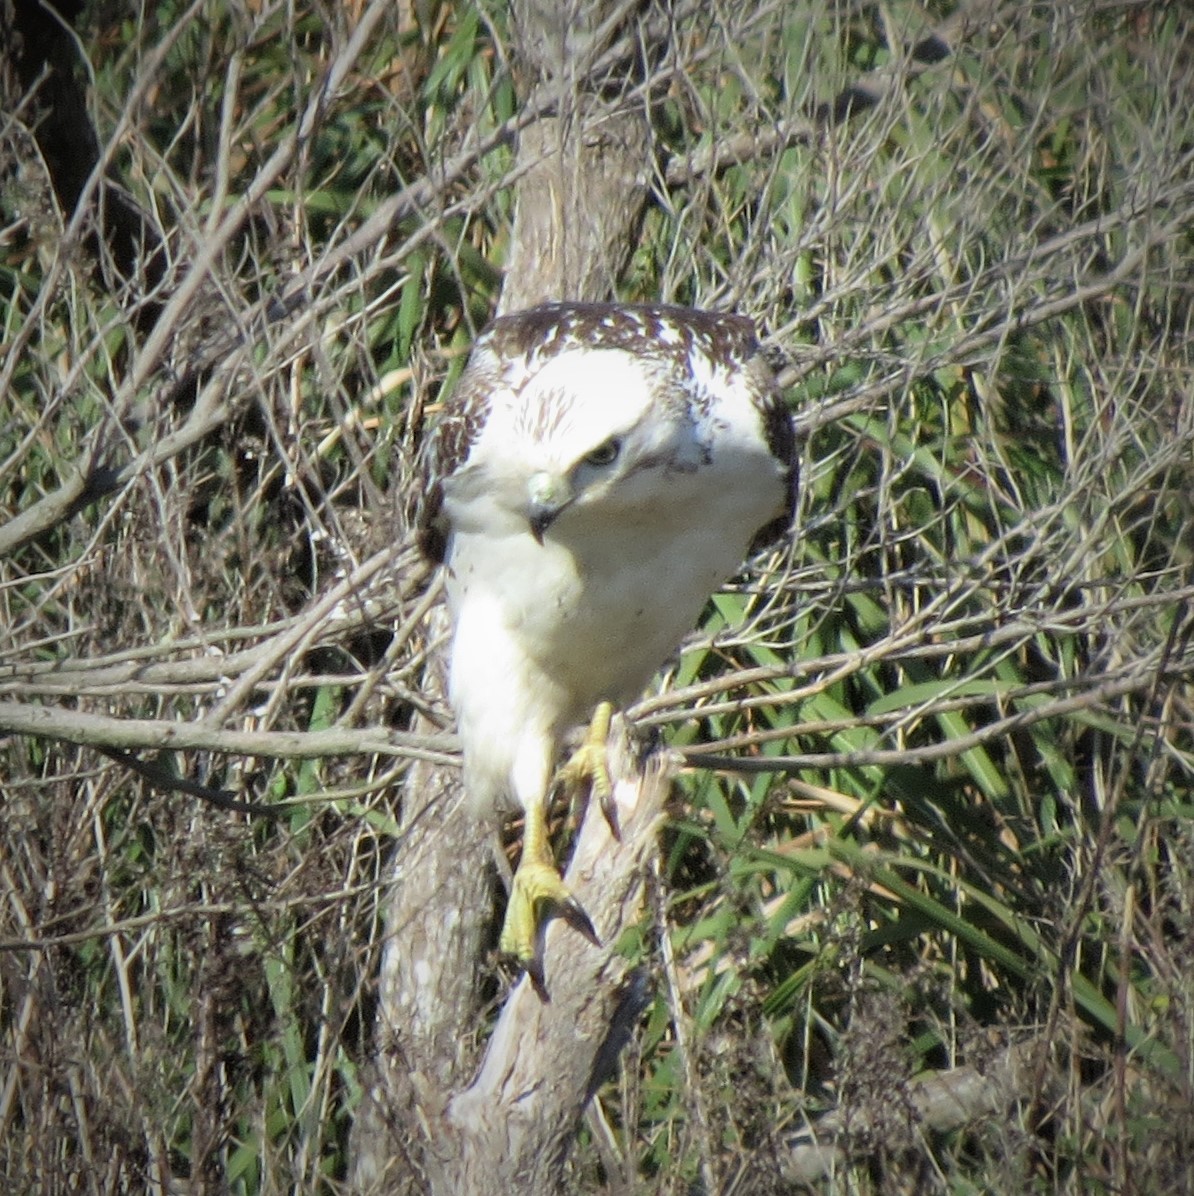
{"points": [[548, 495]]}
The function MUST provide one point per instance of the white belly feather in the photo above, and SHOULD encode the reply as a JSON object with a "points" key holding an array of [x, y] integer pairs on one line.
{"points": [[543, 632]]}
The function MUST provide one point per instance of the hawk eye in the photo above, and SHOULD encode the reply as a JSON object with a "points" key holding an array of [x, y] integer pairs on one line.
{"points": [[604, 454]]}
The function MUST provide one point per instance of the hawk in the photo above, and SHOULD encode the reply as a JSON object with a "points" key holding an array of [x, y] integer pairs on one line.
{"points": [[598, 472]]}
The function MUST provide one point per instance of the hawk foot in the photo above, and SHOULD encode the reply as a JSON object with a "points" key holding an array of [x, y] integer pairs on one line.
{"points": [[588, 765], [539, 889]]}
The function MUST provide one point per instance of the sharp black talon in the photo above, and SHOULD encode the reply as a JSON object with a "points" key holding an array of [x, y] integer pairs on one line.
{"points": [[610, 809], [534, 971], [573, 913]]}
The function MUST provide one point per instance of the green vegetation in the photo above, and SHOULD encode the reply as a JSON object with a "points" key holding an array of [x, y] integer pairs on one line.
{"points": [[947, 816]]}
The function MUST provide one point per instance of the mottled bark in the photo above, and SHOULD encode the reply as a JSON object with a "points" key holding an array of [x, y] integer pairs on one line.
{"points": [[577, 206], [423, 1126], [587, 164], [428, 1123], [428, 991]]}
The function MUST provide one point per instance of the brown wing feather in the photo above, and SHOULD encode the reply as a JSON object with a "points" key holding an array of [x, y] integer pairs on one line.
{"points": [[445, 450], [780, 434]]}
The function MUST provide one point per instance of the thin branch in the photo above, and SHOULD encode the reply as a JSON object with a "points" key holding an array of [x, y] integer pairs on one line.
{"points": [[1139, 681], [134, 734], [163, 779]]}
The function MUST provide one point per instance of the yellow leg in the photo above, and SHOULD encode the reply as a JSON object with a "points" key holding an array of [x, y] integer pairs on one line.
{"points": [[588, 764], [537, 883]]}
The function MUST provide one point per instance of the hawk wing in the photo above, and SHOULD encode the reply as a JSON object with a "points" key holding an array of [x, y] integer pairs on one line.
{"points": [[447, 448]]}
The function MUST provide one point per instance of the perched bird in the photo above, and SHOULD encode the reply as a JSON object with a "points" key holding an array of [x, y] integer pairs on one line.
{"points": [[598, 472]]}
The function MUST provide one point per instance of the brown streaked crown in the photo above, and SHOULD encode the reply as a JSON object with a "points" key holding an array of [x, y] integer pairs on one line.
{"points": [[513, 347]]}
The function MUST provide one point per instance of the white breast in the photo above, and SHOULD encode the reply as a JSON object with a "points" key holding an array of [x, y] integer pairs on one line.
{"points": [[543, 632]]}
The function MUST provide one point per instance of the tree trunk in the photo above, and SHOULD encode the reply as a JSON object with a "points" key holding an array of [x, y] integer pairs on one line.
{"points": [[426, 1124], [422, 1126]]}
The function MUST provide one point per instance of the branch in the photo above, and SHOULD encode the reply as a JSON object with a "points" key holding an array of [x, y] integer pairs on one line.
{"points": [[859, 96], [705, 755], [163, 779], [510, 1129], [939, 1101], [132, 734]]}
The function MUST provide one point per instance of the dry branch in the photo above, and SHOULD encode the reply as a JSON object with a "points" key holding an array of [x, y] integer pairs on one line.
{"points": [[132, 734], [511, 1127], [940, 1102]]}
